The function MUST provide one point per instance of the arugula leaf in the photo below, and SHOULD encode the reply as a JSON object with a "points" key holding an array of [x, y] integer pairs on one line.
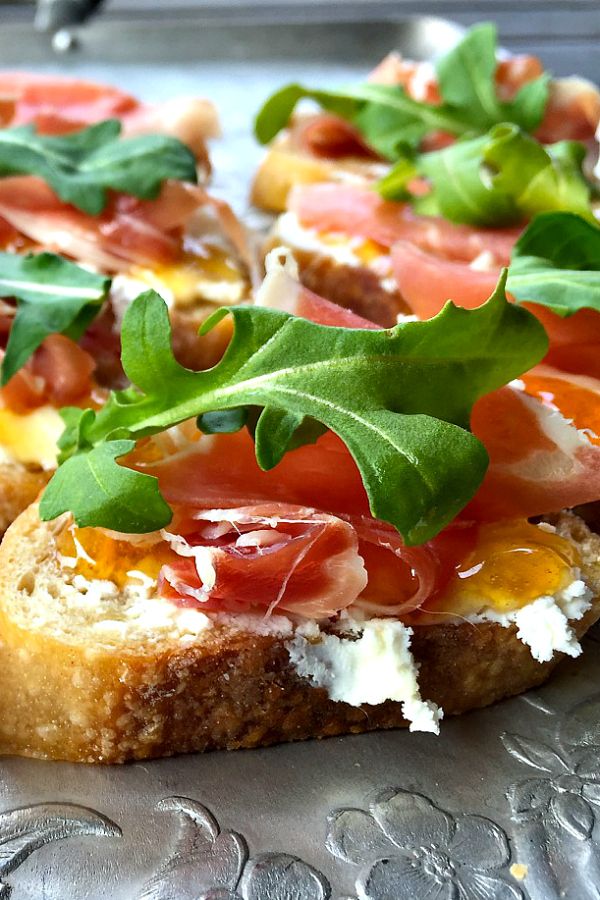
{"points": [[527, 107], [81, 166], [498, 179], [388, 118], [106, 494], [53, 296], [556, 263], [399, 398], [394, 124], [466, 78], [277, 109]]}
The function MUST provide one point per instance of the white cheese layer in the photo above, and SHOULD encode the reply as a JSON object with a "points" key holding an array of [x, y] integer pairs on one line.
{"points": [[119, 615], [371, 665], [543, 625], [125, 289], [292, 234], [344, 250]]}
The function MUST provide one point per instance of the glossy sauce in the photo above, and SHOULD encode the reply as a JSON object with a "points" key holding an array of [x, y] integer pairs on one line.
{"points": [[204, 272], [512, 564], [101, 556]]}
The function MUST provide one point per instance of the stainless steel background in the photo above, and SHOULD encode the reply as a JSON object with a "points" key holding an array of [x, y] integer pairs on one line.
{"points": [[565, 32], [141, 845]]}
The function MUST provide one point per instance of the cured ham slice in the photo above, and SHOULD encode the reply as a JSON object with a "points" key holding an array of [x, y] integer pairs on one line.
{"points": [[542, 438], [282, 290], [361, 212], [203, 475], [573, 112], [129, 231], [574, 341], [271, 557], [60, 105], [58, 373], [317, 488], [330, 137], [427, 281], [417, 78]]}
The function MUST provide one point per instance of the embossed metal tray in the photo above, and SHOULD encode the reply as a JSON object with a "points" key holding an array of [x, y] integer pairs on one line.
{"points": [[504, 805]]}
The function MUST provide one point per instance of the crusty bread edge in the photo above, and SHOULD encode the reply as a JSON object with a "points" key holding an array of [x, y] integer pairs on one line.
{"points": [[283, 167], [20, 485], [89, 702], [354, 287]]}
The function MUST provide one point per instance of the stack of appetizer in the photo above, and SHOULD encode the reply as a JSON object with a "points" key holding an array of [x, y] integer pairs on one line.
{"points": [[364, 495]]}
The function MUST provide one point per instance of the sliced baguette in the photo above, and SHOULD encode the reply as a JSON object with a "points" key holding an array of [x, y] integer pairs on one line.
{"points": [[355, 287], [83, 679], [285, 166], [20, 485]]}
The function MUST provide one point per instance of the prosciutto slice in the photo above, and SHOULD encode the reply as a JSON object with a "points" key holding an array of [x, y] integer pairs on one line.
{"points": [[60, 105], [129, 231], [282, 290], [271, 557], [58, 373], [311, 514], [542, 437], [427, 281], [361, 212]]}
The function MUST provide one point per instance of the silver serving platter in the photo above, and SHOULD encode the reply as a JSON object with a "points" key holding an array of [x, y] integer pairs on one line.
{"points": [[502, 806]]}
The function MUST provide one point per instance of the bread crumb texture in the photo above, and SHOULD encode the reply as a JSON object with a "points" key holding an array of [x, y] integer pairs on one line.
{"points": [[91, 674]]}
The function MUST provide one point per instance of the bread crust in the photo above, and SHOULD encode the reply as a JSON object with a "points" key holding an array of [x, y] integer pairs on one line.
{"points": [[357, 288], [86, 701], [20, 485], [284, 166]]}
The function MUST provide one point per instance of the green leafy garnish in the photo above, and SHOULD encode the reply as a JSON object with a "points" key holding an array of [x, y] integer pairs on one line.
{"points": [[466, 79], [400, 399], [393, 124], [118, 496], [556, 263], [81, 167], [502, 178], [53, 296]]}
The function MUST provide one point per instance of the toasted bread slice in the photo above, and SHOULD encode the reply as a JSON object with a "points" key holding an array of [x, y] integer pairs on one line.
{"points": [[27, 458], [90, 674], [20, 485], [285, 166], [352, 284]]}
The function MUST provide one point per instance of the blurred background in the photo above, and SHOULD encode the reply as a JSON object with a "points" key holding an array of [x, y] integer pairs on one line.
{"points": [[566, 33], [237, 52]]}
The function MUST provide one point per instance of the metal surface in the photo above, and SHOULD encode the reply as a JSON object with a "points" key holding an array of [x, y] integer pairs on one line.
{"points": [[237, 65], [52, 15], [564, 32], [317, 820], [388, 816]]}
